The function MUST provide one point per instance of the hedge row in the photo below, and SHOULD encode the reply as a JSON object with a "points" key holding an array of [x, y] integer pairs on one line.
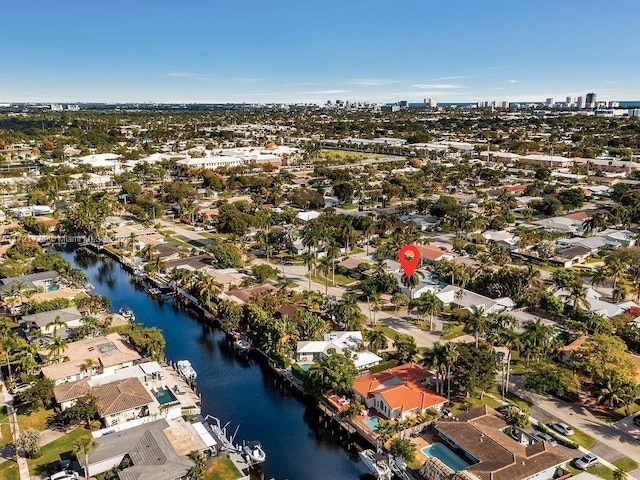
{"points": [[561, 439]]}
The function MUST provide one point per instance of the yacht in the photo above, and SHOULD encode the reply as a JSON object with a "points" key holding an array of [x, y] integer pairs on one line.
{"points": [[127, 313], [254, 453], [186, 370], [376, 464], [242, 346]]}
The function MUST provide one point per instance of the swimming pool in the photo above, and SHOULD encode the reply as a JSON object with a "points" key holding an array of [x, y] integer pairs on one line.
{"points": [[372, 423], [52, 288], [165, 396], [446, 456]]}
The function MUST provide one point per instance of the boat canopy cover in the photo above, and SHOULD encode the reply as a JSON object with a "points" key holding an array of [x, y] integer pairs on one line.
{"points": [[204, 434]]}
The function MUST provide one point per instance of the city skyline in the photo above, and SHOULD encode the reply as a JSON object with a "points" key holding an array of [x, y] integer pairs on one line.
{"points": [[362, 51]]}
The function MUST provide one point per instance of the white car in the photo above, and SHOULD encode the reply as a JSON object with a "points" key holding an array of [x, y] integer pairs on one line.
{"points": [[562, 428], [586, 461], [21, 387], [64, 475], [547, 438]]}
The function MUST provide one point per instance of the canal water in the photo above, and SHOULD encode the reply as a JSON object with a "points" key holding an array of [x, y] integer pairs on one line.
{"points": [[242, 392]]}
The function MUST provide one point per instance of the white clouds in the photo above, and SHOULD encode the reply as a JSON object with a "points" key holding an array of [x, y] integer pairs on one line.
{"points": [[513, 81], [194, 76], [324, 92], [437, 86], [458, 77], [370, 82]]}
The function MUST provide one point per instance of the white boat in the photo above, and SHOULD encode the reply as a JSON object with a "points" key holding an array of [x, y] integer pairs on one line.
{"points": [[186, 370], [399, 467], [376, 464], [254, 452], [241, 345], [127, 313]]}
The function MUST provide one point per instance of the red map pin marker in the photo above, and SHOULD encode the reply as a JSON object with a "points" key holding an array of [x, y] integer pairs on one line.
{"points": [[410, 263]]}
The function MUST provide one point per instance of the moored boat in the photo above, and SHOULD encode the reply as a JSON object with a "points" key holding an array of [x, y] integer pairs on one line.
{"points": [[242, 346], [127, 313], [375, 464], [186, 370], [254, 453]]}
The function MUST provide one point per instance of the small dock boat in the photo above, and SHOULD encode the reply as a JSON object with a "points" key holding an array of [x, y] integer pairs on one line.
{"points": [[186, 370], [241, 345], [376, 464], [254, 453], [127, 313]]}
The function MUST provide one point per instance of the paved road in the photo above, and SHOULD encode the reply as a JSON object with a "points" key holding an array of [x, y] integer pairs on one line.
{"points": [[611, 443]]}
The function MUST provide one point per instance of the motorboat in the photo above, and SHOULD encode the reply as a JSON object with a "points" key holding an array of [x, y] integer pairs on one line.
{"points": [[186, 370], [241, 345], [127, 313], [254, 452], [376, 464], [399, 467]]}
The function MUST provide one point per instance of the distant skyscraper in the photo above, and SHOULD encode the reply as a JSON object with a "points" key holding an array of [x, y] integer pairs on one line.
{"points": [[581, 103], [550, 102], [403, 103], [432, 103], [591, 100], [505, 104], [569, 102]]}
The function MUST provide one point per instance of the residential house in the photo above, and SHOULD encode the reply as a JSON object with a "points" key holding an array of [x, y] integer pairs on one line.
{"points": [[502, 238], [431, 253], [309, 352], [398, 392], [47, 321], [451, 296], [572, 223], [495, 450], [152, 449], [34, 281], [197, 263], [121, 401], [565, 354], [573, 255], [596, 304], [103, 354], [241, 295]]}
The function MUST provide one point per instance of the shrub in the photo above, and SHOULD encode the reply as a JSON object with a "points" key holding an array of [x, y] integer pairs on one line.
{"points": [[559, 438]]}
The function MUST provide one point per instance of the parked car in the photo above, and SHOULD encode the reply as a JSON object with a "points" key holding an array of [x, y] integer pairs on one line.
{"points": [[64, 475], [547, 438], [562, 428], [586, 461], [636, 420], [58, 466], [505, 409], [21, 387]]}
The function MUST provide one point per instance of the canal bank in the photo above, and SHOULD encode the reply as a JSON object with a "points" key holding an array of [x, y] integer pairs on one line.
{"points": [[244, 392]]}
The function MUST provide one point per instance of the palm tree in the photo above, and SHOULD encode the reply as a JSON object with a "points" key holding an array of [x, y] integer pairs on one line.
{"points": [[410, 282], [510, 339], [599, 276], [578, 296], [197, 472], [616, 268], [451, 354], [326, 265], [155, 265], [9, 340], [431, 305], [83, 448], [56, 347], [207, 286], [56, 323], [377, 339], [477, 322], [376, 304], [333, 251], [435, 359], [348, 310]]}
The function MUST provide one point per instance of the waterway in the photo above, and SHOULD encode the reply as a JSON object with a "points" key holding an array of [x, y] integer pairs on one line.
{"points": [[240, 391]]}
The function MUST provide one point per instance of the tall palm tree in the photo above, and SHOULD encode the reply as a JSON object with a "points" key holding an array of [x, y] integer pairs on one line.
{"points": [[83, 448], [326, 264], [451, 354], [578, 296], [410, 282], [599, 276], [435, 359], [477, 322], [56, 324], [309, 261], [432, 306], [616, 268], [56, 347], [9, 341], [510, 339], [348, 309], [377, 339], [376, 304]]}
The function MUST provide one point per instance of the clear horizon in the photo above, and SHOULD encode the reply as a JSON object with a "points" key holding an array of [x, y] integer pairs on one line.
{"points": [[287, 52]]}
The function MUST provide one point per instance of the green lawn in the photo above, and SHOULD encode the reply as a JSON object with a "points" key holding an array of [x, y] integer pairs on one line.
{"points": [[455, 332], [9, 470], [626, 464], [458, 406], [38, 419], [193, 243], [578, 436], [340, 279], [61, 448], [221, 469], [5, 428]]}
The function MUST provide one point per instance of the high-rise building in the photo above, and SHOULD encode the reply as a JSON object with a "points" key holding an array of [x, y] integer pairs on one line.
{"points": [[403, 103], [505, 105], [550, 102], [432, 103], [581, 103], [591, 100], [569, 102]]}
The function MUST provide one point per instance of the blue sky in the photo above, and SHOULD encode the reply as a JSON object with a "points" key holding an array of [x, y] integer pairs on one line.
{"points": [[309, 50]]}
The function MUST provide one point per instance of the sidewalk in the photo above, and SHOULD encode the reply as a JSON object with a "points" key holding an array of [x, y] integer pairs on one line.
{"points": [[7, 400]]}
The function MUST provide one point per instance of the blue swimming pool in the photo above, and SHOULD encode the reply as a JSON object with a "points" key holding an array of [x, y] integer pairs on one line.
{"points": [[446, 456], [372, 423], [165, 396]]}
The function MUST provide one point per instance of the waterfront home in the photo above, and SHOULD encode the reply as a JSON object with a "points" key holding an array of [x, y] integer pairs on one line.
{"points": [[308, 352], [53, 320], [121, 401], [451, 295], [34, 281], [494, 450], [152, 447], [103, 354], [241, 295], [197, 263], [398, 392], [595, 303]]}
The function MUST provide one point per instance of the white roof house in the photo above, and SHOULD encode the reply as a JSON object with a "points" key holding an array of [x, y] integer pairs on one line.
{"points": [[97, 160], [306, 216], [596, 304], [307, 352], [468, 299]]}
